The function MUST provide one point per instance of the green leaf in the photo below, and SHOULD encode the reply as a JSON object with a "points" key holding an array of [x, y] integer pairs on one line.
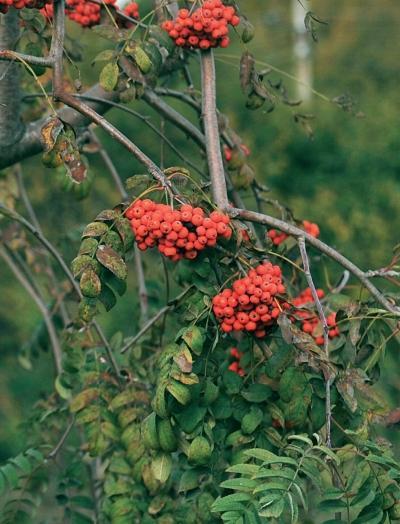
{"points": [[179, 391], [245, 469], [90, 283], [268, 457], [22, 462], [239, 484], [82, 262], [109, 76], [161, 467], [199, 451], [142, 59], [159, 403], [88, 247], [112, 261], [257, 393], [252, 420], [194, 338], [10, 474], [232, 382], [34, 453], [275, 485], [190, 417], [189, 480], [95, 229], [272, 508], [83, 399], [107, 297], [104, 56], [230, 502]]}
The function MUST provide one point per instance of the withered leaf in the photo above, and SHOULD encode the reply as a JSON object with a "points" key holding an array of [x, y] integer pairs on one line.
{"points": [[247, 66], [50, 132]]}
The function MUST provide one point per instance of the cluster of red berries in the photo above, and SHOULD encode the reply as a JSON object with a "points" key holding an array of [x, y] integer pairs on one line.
{"points": [[310, 322], [132, 10], [278, 237], [203, 28], [228, 152], [86, 13], [235, 366], [252, 304], [21, 4], [177, 233]]}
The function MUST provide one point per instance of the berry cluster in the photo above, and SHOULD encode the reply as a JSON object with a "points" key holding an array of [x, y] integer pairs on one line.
{"points": [[203, 28], [252, 304], [86, 13], [235, 366], [278, 237], [177, 233], [228, 152], [21, 4], [132, 10], [310, 322]]}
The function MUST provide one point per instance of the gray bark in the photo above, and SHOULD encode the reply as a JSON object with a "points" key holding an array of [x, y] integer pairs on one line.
{"points": [[11, 127]]}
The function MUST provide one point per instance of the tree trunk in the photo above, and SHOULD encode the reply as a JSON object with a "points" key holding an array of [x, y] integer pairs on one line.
{"points": [[11, 127]]}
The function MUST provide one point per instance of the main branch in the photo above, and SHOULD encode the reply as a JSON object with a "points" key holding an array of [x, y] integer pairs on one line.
{"points": [[211, 130], [296, 232], [11, 127]]}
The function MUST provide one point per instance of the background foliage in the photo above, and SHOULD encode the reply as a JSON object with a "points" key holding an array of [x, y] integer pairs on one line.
{"points": [[345, 178]]}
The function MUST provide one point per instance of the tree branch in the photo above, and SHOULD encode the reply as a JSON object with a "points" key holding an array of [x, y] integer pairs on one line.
{"points": [[57, 45], [11, 127], [153, 320], [296, 232], [30, 143], [53, 251], [170, 114], [55, 343], [306, 265], [90, 113], [211, 129], [32, 215], [12, 56], [54, 452]]}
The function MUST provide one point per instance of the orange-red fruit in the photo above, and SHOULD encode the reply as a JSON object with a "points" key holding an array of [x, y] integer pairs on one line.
{"points": [[178, 233], [205, 27], [250, 308]]}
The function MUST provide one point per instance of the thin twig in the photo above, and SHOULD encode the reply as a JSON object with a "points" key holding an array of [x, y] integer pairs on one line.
{"points": [[153, 320], [53, 251], [109, 164], [12, 56], [143, 295], [383, 272], [170, 114], [32, 215], [55, 343], [143, 118], [211, 130], [61, 442], [86, 110], [306, 265], [145, 328], [296, 232]]}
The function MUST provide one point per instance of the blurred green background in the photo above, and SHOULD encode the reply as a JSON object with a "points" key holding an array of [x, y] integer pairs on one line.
{"points": [[346, 177]]}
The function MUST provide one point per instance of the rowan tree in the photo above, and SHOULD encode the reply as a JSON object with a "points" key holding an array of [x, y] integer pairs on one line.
{"points": [[247, 393]]}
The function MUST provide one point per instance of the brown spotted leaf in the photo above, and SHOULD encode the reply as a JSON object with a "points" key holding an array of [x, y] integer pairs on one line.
{"points": [[95, 229], [112, 261]]}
